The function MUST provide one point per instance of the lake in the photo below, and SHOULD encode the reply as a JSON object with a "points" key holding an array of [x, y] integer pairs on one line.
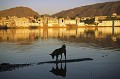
{"points": [[33, 46]]}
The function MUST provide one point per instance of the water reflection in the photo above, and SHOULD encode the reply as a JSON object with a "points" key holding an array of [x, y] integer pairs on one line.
{"points": [[10, 67], [59, 71], [97, 37]]}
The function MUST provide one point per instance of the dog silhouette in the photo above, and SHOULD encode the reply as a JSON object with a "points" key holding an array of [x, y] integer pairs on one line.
{"points": [[58, 52]]}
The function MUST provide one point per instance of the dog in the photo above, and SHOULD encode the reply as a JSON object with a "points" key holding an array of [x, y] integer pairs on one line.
{"points": [[58, 52]]}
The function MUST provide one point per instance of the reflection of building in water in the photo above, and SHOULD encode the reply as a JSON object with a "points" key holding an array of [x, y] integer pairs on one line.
{"points": [[14, 35], [79, 35]]}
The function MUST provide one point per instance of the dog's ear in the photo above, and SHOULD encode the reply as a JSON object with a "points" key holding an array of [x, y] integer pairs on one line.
{"points": [[50, 54], [63, 46]]}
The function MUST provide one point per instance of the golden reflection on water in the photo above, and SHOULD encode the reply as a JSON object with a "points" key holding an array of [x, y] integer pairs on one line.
{"points": [[102, 36], [45, 33]]}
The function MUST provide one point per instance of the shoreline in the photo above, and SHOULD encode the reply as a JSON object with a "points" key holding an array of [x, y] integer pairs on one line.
{"points": [[37, 27]]}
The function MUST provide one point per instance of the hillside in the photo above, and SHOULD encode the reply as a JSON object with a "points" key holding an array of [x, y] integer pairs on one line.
{"points": [[98, 9], [19, 12]]}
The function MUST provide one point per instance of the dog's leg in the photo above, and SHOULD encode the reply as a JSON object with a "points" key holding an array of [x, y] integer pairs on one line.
{"points": [[56, 57], [65, 54], [61, 57]]}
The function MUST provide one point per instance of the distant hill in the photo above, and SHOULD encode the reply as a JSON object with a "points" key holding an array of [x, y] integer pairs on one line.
{"points": [[98, 9], [19, 12], [47, 15]]}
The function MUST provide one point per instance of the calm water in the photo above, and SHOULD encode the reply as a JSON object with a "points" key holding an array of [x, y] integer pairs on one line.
{"points": [[19, 46]]}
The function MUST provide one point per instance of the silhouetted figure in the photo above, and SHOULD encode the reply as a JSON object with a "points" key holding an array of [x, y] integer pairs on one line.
{"points": [[59, 71], [58, 52]]}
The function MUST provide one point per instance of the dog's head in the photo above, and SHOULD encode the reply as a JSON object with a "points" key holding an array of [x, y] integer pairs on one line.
{"points": [[52, 56], [64, 46]]}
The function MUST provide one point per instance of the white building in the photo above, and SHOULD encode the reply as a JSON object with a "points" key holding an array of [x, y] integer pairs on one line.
{"points": [[52, 22], [109, 23], [62, 22], [21, 22]]}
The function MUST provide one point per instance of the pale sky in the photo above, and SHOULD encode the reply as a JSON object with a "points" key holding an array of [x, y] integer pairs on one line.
{"points": [[48, 6]]}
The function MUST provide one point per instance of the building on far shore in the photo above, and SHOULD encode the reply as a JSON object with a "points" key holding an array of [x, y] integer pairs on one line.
{"points": [[61, 22], [108, 20], [52, 22], [21, 22], [70, 22], [109, 23], [37, 23], [14, 22]]}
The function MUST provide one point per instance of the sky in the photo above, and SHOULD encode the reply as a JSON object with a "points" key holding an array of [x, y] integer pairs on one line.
{"points": [[48, 6]]}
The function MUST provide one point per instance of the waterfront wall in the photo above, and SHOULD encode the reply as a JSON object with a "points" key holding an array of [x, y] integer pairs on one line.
{"points": [[52, 22], [109, 23]]}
